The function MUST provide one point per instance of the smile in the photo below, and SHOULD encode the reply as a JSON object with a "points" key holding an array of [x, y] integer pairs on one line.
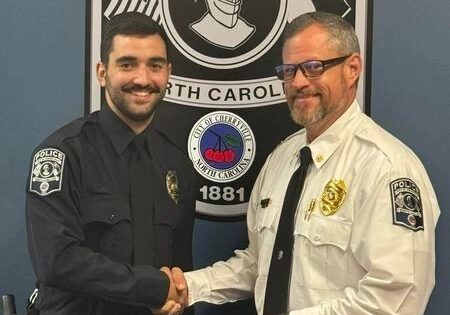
{"points": [[141, 93], [304, 96]]}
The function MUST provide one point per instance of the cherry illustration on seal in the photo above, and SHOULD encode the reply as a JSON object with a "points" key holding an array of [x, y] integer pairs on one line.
{"points": [[222, 150]]}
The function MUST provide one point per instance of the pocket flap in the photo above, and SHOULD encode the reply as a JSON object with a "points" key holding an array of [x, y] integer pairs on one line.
{"points": [[106, 210], [266, 218], [166, 212], [324, 230]]}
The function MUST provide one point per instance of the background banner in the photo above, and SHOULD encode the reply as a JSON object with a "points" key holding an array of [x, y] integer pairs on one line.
{"points": [[224, 105]]}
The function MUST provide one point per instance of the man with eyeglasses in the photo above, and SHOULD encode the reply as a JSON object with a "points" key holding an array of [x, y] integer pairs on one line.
{"points": [[360, 239]]}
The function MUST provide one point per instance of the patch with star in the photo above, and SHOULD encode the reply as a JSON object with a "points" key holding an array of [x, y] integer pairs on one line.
{"points": [[406, 204], [47, 171]]}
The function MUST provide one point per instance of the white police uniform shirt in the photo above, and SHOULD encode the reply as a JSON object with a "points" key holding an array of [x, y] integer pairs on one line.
{"points": [[374, 254]]}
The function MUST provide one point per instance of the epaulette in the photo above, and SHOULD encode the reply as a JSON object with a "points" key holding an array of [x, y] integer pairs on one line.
{"points": [[67, 131], [387, 143], [290, 137]]}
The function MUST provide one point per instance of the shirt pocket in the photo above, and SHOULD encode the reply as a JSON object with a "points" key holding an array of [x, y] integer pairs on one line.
{"points": [[322, 245], [265, 226], [166, 213], [165, 220], [107, 226]]}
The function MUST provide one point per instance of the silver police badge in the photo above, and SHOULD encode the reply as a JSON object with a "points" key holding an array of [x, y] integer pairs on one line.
{"points": [[47, 171], [172, 186], [406, 204]]}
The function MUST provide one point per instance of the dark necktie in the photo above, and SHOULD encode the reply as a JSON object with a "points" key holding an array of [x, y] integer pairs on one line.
{"points": [[278, 280], [141, 202]]}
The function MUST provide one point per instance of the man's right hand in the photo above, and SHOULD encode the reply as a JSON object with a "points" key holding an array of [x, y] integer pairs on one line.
{"points": [[177, 297], [170, 308], [180, 282]]}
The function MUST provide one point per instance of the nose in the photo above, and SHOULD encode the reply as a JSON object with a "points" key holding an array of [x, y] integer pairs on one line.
{"points": [[142, 76]]}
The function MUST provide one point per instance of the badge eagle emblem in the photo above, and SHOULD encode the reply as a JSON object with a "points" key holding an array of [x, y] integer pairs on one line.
{"points": [[333, 196], [172, 186]]}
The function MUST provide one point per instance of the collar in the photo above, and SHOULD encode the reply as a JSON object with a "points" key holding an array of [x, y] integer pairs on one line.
{"points": [[323, 147], [117, 131]]}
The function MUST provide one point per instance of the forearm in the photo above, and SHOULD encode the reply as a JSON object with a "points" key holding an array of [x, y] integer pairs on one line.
{"points": [[62, 260], [224, 281]]}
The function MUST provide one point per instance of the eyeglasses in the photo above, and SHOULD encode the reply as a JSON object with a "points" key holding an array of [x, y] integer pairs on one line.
{"points": [[310, 68]]}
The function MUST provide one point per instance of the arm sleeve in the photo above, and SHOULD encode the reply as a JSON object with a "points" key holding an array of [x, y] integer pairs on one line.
{"points": [[60, 258], [234, 279], [400, 262]]}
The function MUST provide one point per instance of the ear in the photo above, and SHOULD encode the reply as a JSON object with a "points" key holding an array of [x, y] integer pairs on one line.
{"points": [[169, 69], [353, 68], [101, 74]]}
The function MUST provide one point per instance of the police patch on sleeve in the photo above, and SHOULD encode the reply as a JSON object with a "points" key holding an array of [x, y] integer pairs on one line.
{"points": [[406, 204], [47, 171]]}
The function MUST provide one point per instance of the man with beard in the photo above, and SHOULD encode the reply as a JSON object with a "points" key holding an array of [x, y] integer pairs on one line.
{"points": [[116, 202], [358, 238]]}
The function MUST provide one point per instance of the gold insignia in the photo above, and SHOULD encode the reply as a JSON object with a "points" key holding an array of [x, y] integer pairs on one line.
{"points": [[265, 203], [333, 196], [310, 210], [172, 186], [319, 158]]}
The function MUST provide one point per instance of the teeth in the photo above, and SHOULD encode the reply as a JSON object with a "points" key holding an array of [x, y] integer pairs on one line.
{"points": [[141, 93]]}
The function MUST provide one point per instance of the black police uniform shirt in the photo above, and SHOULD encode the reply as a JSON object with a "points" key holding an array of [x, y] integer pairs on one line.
{"points": [[79, 219]]}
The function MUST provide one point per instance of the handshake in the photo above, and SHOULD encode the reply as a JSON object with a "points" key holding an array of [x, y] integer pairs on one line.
{"points": [[177, 297]]}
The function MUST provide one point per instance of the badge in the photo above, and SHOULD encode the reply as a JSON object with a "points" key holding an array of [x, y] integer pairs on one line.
{"points": [[406, 204], [333, 196], [172, 186], [47, 171]]}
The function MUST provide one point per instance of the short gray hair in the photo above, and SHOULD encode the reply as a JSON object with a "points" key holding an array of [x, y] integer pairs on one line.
{"points": [[342, 35]]}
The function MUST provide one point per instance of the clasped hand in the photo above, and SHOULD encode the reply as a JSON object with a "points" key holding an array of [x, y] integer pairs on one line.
{"points": [[177, 297]]}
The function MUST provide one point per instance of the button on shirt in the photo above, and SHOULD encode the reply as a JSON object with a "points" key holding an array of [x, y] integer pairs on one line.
{"points": [[355, 261]]}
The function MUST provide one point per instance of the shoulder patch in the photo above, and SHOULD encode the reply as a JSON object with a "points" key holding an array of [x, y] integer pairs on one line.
{"points": [[47, 171], [406, 204]]}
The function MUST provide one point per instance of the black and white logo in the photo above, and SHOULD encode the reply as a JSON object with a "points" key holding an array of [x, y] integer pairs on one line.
{"points": [[222, 35], [47, 171], [406, 204], [223, 54]]}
